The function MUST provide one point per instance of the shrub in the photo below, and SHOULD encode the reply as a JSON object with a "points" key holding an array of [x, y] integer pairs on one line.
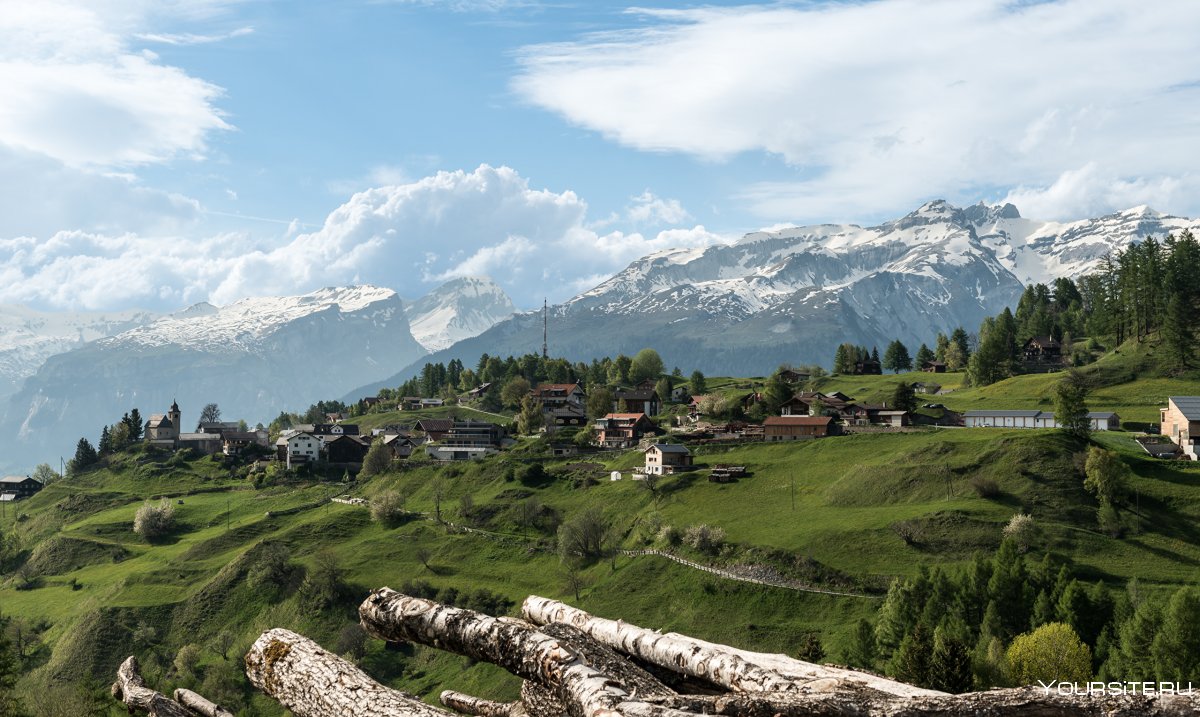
{"points": [[705, 538], [387, 507], [985, 487], [670, 535], [910, 531], [154, 521], [1022, 530]]}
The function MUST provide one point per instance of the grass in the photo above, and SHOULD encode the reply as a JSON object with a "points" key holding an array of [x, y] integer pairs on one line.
{"points": [[822, 511]]}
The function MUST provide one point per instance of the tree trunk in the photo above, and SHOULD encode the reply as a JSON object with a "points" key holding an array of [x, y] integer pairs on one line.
{"points": [[471, 705], [512, 644], [200, 705], [131, 689], [314, 683], [727, 667]]}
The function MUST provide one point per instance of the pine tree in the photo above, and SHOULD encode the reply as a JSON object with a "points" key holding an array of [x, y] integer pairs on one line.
{"points": [[896, 357], [950, 664], [904, 398], [1176, 648], [85, 456], [105, 446], [841, 360], [942, 343], [861, 652], [1070, 405], [912, 661], [924, 356], [776, 394], [697, 383], [959, 338], [136, 425]]}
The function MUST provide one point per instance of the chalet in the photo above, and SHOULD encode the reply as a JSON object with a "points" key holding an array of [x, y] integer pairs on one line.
{"points": [[400, 446], [694, 404], [366, 403], [927, 387], [480, 390], [623, 430], [933, 367], [1180, 421], [559, 450], [435, 429], [680, 394], [432, 402], [667, 458], [638, 401], [333, 430], [647, 384], [750, 400], [562, 403], [893, 418], [216, 426], [796, 406], [334, 417], [870, 367], [468, 440], [1042, 349], [409, 403], [347, 449], [1099, 420], [18, 487], [300, 448], [809, 403], [795, 428], [791, 375], [234, 443], [205, 443]]}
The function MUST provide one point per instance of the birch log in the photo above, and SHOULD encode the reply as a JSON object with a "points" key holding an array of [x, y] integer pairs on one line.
{"points": [[200, 705], [314, 683], [131, 689], [471, 705], [730, 668], [512, 644]]}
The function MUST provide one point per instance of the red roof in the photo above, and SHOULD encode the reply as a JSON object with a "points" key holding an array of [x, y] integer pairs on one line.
{"points": [[798, 420], [627, 415]]}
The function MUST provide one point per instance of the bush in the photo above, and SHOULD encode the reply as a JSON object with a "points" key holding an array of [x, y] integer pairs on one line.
{"points": [[387, 507], [705, 538], [154, 521], [1022, 530], [670, 535], [985, 487]]}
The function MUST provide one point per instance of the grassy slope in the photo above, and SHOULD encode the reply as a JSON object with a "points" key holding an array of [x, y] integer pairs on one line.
{"points": [[848, 492]]}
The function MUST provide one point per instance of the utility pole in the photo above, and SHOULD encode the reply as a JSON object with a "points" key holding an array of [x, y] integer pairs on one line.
{"points": [[545, 328]]}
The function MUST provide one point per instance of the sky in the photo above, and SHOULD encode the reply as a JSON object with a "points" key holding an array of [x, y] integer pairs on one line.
{"points": [[158, 153]]}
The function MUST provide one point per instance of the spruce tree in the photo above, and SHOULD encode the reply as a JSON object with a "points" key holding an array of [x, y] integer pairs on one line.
{"points": [[950, 664], [698, 385], [912, 661], [1176, 648], [841, 360], [896, 357], [924, 356], [904, 398], [861, 652], [1070, 405]]}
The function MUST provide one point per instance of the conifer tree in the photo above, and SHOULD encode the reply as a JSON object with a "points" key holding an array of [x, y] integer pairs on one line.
{"points": [[924, 356], [896, 357]]}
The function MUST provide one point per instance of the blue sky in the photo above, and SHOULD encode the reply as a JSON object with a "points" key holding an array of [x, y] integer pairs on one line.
{"points": [[154, 154]]}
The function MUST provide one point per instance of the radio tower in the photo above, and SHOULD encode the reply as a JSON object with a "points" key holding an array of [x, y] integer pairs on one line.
{"points": [[545, 326]]}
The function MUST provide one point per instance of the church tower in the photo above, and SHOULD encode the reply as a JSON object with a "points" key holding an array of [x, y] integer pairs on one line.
{"points": [[175, 416]]}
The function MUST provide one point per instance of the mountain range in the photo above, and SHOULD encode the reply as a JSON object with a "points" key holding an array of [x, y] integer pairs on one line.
{"points": [[791, 295], [742, 308]]}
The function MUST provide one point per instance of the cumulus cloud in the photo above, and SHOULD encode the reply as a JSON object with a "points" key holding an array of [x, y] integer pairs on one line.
{"points": [[75, 91], [879, 105], [534, 242], [649, 209]]}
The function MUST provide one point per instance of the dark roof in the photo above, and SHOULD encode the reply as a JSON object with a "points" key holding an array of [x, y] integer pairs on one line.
{"points": [[670, 448], [436, 425], [1101, 414], [636, 395], [240, 435], [798, 420], [1189, 406]]}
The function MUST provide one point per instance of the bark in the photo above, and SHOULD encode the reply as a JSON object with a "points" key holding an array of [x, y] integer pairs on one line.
{"points": [[471, 705], [541, 701], [200, 705], [512, 644], [730, 668], [131, 689], [314, 683]]}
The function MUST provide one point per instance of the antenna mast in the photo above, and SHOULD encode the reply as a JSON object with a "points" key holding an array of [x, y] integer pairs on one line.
{"points": [[545, 327]]}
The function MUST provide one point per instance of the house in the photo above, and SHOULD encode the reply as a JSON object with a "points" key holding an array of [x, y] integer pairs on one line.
{"points": [[301, 447], [667, 458], [366, 403], [680, 394], [791, 375], [216, 426], [346, 449], [19, 487], [431, 402], [480, 390], [333, 430], [467, 440], [206, 443], [562, 403], [1099, 420], [870, 367], [794, 428], [334, 417], [623, 430], [638, 401], [893, 418], [796, 406], [435, 429], [749, 400], [808, 403], [1042, 349], [234, 443], [559, 450], [647, 384], [400, 446], [409, 403], [933, 367], [694, 404], [927, 387], [1180, 421]]}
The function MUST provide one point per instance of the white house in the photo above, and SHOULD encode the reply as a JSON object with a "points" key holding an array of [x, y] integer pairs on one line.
{"points": [[302, 448], [664, 458], [1099, 420]]}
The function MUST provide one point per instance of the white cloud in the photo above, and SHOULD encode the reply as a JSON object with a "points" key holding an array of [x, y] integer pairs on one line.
{"points": [[77, 92], [534, 242], [649, 209], [880, 105], [190, 38]]}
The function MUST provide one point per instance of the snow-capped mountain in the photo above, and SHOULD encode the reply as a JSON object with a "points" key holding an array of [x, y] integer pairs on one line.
{"points": [[29, 337], [457, 310], [254, 358], [792, 295]]}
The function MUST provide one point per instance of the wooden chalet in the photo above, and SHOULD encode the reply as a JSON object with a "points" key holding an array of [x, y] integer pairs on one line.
{"points": [[934, 367], [623, 430], [1042, 349], [791, 375], [870, 367], [667, 458], [795, 428], [638, 401], [18, 487]]}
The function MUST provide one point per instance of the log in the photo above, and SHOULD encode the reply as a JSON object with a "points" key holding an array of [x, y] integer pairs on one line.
{"points": [[471, 705], [541, 701], [131, 689], [512, 644], [311, 682], [727, 667], [199, 704]]}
